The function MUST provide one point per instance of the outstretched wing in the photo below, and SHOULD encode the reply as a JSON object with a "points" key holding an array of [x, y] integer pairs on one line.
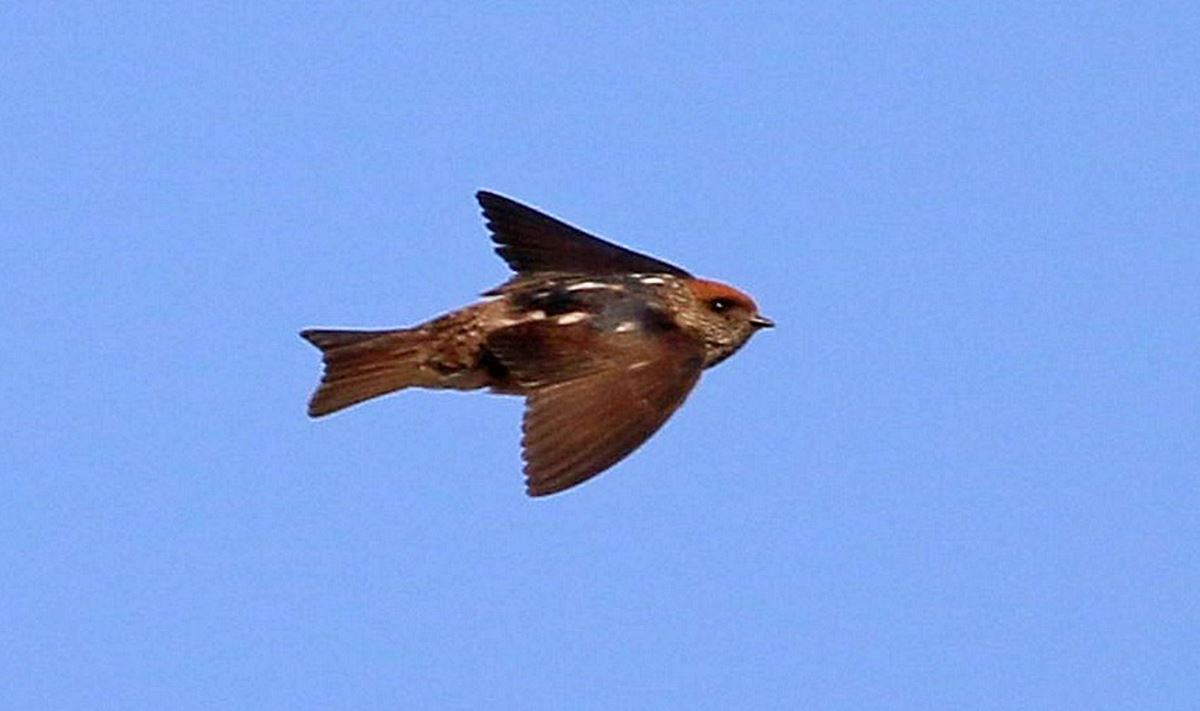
{"points": [[533, 242], [594, 397]]}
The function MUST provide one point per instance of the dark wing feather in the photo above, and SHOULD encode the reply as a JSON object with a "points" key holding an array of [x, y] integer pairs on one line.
{"points": [[593, 398], [532, 242], [577, 429]]}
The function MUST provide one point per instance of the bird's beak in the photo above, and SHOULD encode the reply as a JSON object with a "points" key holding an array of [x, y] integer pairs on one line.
{"points": [[760, 321]]}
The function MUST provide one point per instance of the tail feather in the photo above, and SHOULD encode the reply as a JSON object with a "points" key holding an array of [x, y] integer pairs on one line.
{"points": [[360, 365]]}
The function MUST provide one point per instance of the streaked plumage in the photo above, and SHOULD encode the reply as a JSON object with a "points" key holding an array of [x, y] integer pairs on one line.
{"points": [[603, 342]]}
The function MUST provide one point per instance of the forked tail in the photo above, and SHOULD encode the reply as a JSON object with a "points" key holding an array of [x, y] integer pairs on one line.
{"points": [[360, 365]]}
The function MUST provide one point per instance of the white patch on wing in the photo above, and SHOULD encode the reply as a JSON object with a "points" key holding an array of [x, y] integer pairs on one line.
{"points": [[588, 285], [652, 280], [639, 365], [626, 326], [568, 319], [537, 315]]}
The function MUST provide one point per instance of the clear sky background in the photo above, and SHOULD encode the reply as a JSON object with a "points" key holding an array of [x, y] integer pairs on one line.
{"points": [[963, 472]]}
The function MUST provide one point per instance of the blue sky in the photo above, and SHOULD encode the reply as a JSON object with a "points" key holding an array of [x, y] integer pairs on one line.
{"points": [[961, 473]]}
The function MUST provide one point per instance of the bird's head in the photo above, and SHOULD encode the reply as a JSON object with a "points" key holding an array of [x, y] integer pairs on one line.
{"points": [[721, 317]]}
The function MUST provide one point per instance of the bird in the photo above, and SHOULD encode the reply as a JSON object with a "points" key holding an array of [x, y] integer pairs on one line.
{"points": [[604, 344]]}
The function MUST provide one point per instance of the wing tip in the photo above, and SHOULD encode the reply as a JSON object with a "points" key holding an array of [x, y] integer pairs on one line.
{"points": [[488, 199]]}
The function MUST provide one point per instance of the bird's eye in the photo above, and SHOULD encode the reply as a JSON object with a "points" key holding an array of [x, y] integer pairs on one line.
{"points": [[720, 305]]}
